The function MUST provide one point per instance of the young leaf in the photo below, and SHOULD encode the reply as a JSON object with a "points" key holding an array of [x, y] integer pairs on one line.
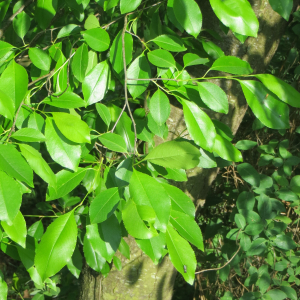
{"points": [[161, 58], [44, 12], [104, 113], [226, 150], [270, 111], [169, 42], [145, 190], [72, 127], [181, 255], [160, 107], [80, 62], [213, 96], [38, 164], [188, 14], [283, 7], [104, 205], [199, 125], [28, 135], [7, 106], [113, 142], [21, 24], [138, 69], [232, 65], [97, 38], [61, 150], [57, 246], [40, 58], [238, 15], [249, 174], [67, 100], [12, 162], [129, 5], [175, 154], [16, 231], [95, 84], [191, 59], [10, 198]]}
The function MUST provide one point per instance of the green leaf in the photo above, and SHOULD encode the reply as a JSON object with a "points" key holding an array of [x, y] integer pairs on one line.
{"points": [[212, 49], [72, 127], [281, 89], [207, 160], [134, 223], [105, 237], [232, 65], [213, 96], [188, 14], [10, 198], [240, 221], [97, 38], [161, 58], [80, 62], [36, 230], [265, 207], [61, 150], [75, 264], [14, 81], [245, 145], [40, 58], [290, 292], [175, 154], [12, 162], [117, 263], [159, 107], [44, 12], [3, 287], [38, 164], [57, 246], [270, 111], [68, 30], [191, 59], [199, 124], [275, 294], [154, 247], [66, 182], [129, 5], [113, 142], [181, 255], [5, 48], [257, 247], [16, 231], [7, 106], [187, 228], [95, 84], [238, 15], [124, 172], [284, 242], [283, 7], [67, 100], [138, 69], [104, 205], [28, 135], [249, 174], [104, 113], [246, 200], [145, 190], [21, 24], [226, 150], [170, 43], [91, 22], [295, 184], [161, 131]]}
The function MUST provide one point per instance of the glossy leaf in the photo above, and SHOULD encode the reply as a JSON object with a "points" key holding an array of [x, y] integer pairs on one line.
{"points": [[97, 38], [80, 62], [226, 150], [160, 107], [104, 205], [21, 24], [139, 69], [44, 12], [213, 96], [170, 43], [199, 125], [28, 135], [61, 150], [104, 113], [237, 15], [40, 58], [95, 84], [188, 14], [57, 246], [7, 106], [38, 164], [232, 65], [72, 127], [36, 230], [12, 162], [66, 100], [113, 142], [191, 59], [181, 255], [161, 58], [129, 5], [175, 154]]}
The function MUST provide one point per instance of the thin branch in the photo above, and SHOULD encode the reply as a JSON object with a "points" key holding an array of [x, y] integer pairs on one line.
{"points": [[154, 79], [14, 123], [119, 118], [41, 78], [125, 83], [9, 21]]}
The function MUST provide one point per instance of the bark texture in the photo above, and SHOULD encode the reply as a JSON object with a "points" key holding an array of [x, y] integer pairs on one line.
{"points": [[140, 278]]}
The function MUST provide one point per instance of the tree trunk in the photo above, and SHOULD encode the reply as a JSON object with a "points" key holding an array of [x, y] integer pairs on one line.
{"points": [[140, 278]]}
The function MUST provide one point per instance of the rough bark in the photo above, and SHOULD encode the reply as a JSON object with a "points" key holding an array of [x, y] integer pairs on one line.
{"points": [[140, 278]]}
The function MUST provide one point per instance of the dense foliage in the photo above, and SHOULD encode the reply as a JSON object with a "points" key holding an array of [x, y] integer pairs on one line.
{"points": [[85, 93]]}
